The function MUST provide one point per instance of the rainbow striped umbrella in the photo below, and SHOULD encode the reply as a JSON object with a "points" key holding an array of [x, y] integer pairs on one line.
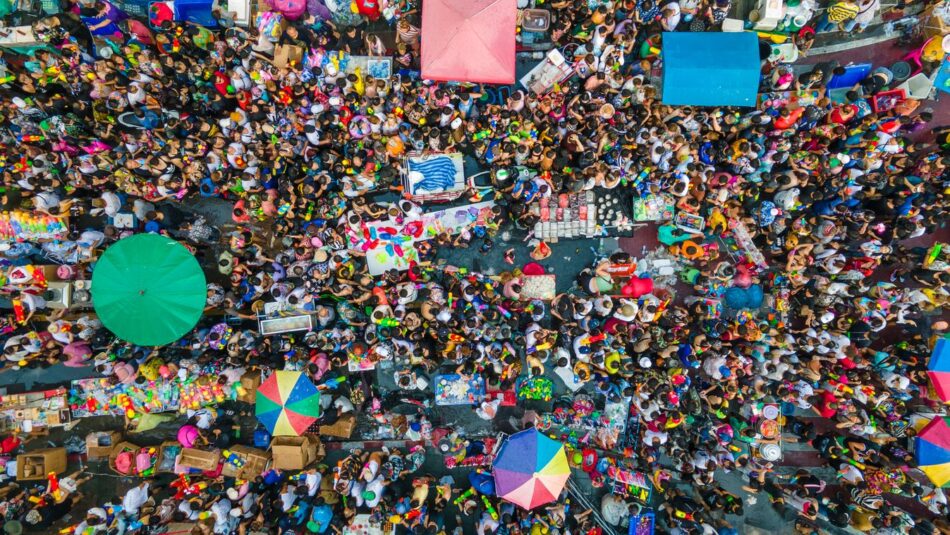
{"points": [[939, 369], [530, 469], [932, 450], [287, 403]]}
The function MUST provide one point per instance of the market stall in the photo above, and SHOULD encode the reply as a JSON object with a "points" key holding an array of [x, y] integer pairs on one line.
{"points": [[710, 68], [34, 412], [480, 47]]}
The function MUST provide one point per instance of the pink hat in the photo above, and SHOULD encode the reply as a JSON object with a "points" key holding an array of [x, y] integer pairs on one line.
{"points": [[187, 435], [123, 463], [124, 372]]}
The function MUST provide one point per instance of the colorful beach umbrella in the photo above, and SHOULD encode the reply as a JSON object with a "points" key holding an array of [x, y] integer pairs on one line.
{"points": [[939, 369], [148, 289], [932, 450], [287, 403], [530, 469]]}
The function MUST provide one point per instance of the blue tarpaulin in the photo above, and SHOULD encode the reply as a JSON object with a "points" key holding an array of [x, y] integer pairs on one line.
{"points": [[710, 68]]}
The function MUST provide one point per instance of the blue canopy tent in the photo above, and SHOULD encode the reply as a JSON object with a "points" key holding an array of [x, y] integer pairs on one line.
{"points": [[710, 68]]}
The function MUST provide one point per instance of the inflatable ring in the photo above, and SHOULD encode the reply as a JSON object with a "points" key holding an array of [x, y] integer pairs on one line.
{"points": [[691, 250], [360, 127]]}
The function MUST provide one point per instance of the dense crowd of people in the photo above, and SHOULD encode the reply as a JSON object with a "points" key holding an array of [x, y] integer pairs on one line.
{"points": [[810, 288]]}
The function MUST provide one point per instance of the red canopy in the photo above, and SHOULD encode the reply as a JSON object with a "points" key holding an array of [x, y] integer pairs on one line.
{"points": [[469, 40]]}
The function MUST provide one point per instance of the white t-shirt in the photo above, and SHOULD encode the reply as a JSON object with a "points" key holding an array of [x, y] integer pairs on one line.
{"points": [[140, 208], [135, 498], [113, 203], [313, 483]]}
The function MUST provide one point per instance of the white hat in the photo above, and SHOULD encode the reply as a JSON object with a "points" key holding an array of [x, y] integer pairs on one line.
{"points": [[456, 123], [232, 494], [236, 512], [335, 101]]}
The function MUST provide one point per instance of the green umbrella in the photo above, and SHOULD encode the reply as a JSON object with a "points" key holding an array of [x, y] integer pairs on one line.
{"points": [[148, 289]]}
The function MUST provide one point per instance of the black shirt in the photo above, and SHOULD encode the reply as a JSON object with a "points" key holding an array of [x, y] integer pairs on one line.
{"points": [[171, 217], [352, 43]]}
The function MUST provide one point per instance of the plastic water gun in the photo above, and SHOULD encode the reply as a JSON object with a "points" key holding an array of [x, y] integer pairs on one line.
{"points": [[387, 322], [933, 254], [640, 176], [124, 401], [54, 490], [333, 384], [462, 497], [490, 507], [233, 458], [18, 312], [22, 165], [31, 138], [7, 79], [180, 485], [55, 73]]}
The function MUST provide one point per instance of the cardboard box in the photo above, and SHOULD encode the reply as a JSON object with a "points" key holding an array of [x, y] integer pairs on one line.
{"points": [[250, 382], [99, 444], [255, 462], [342, 428], [203, 460], [38, 464], [294, 453], [285, 55], [167, 455], [118, 449]]}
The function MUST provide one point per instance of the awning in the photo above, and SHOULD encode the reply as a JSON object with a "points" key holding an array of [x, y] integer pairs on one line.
{"points": [[710, 68], [469, 41]]}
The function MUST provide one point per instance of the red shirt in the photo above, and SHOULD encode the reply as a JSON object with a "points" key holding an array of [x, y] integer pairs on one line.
{"points": [[9, 444], [827, 398]]}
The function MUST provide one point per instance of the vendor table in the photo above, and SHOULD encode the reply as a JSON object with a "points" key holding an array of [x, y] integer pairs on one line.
{"points": [[34, 411], [452, 389]]}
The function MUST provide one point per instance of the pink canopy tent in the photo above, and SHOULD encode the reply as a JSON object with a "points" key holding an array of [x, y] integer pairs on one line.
{"points": [[469, 40]]}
